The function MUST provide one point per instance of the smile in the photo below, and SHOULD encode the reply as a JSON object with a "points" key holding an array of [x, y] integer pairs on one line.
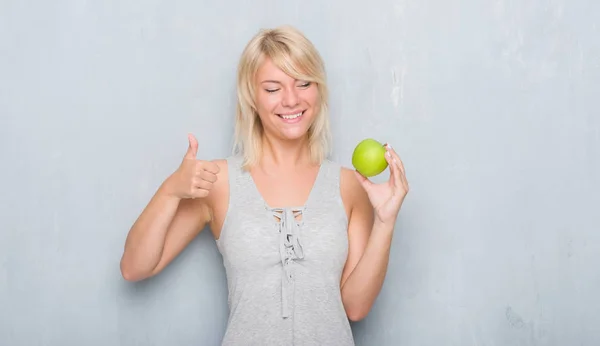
{"points": [[291, 116]]}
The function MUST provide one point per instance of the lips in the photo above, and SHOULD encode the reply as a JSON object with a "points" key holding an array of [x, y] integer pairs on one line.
{"points": [[291, 116]]}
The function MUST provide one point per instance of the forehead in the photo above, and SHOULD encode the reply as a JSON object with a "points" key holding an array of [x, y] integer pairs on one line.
{"points": [[269, 71]]}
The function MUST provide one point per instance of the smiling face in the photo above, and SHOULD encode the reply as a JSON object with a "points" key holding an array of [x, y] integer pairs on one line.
{"points": [[282, 95], [287, 107]]}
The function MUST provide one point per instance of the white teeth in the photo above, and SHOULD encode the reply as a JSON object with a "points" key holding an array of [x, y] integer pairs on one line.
{"points": [[293, 116]]}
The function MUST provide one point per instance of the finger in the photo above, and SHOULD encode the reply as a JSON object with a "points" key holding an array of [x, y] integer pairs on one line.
{"points": [[206, 175], [395, 171], [200, 193], [398, 163], [202, 184], [366, 183], [396, 157], [192, 151], [211, 167]]}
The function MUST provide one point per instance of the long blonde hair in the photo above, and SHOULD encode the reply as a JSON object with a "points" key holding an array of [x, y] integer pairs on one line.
{"points": [[295, 55]]}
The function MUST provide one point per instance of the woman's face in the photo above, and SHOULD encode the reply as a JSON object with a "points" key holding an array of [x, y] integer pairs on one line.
{"points": [[286, 107]]}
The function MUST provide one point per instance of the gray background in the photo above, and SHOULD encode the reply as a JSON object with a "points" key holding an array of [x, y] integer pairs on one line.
{"points": [[493, 106]]}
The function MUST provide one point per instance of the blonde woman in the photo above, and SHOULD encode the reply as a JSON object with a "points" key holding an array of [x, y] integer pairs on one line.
{"points": [[305, 241]]}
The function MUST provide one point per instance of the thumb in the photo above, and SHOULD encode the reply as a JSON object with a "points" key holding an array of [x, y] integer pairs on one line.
{"points": [[192, 148], [366, 183]]}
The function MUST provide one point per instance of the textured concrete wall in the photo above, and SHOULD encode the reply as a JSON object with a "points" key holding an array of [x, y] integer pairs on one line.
{"points": [[490, 104]]}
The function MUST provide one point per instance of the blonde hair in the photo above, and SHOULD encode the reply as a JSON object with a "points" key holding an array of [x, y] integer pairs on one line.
{"points": [[295, 55]]}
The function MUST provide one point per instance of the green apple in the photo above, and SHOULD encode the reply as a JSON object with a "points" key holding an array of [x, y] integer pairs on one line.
{"points": [[369, 158]]}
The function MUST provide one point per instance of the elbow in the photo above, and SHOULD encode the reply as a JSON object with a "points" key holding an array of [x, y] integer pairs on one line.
{"points": [[356, 317], [130, 274], [356, 309], [357, 314]]}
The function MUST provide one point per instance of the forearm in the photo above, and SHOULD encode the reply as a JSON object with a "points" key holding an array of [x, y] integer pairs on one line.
{"points": [[146, 239], [364, 283]]}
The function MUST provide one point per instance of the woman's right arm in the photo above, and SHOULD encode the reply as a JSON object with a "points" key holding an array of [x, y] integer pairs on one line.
{"points": [[174, 216]]}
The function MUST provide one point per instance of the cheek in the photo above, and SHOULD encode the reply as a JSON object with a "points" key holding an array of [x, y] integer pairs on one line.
{"points": [[267, 102], [311, 96], [266, 105]]}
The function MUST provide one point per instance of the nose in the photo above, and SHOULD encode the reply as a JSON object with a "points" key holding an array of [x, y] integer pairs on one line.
{"points": [[290, 97]]}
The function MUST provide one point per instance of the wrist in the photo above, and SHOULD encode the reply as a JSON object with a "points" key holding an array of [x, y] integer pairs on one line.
{"points": [[167, 189], [381, 226], [381, 236]]}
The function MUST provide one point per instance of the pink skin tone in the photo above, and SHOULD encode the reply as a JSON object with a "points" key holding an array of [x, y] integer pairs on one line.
{"points": [[278, 95]]}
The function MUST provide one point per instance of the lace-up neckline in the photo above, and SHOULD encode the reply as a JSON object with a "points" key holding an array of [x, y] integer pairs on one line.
{"points": [[288, 222], [284, 265]]}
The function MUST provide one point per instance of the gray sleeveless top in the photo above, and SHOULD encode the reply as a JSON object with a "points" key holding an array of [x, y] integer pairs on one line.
{"points": [[284, 265]]}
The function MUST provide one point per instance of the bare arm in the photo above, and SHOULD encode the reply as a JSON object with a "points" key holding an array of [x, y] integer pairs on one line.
{"points": [[177, 212], [165, 227], [367, 262], [372, 219]]}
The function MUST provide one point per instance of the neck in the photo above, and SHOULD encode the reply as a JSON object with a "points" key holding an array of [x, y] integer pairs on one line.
{"points": [[285, 154]]}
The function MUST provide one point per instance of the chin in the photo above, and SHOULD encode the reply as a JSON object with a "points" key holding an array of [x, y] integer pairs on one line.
{"points": [[294, 136], [294, 126], [293, 133]]}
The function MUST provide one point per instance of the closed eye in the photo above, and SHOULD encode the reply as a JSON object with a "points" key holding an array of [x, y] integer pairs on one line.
{"points": [[303, 86]]}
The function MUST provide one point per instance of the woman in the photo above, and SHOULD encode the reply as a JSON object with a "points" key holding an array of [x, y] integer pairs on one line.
{"points": [[305, 242]]}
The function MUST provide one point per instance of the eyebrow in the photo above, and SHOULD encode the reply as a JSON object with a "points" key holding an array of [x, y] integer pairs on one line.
{"points": [[278, 82]]}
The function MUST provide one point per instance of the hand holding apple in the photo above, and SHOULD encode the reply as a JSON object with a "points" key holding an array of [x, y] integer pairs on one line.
{"points": [[370, 158]]}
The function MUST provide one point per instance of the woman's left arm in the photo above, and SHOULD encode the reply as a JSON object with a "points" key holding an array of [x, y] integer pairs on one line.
{"points": [[374, 211]]}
